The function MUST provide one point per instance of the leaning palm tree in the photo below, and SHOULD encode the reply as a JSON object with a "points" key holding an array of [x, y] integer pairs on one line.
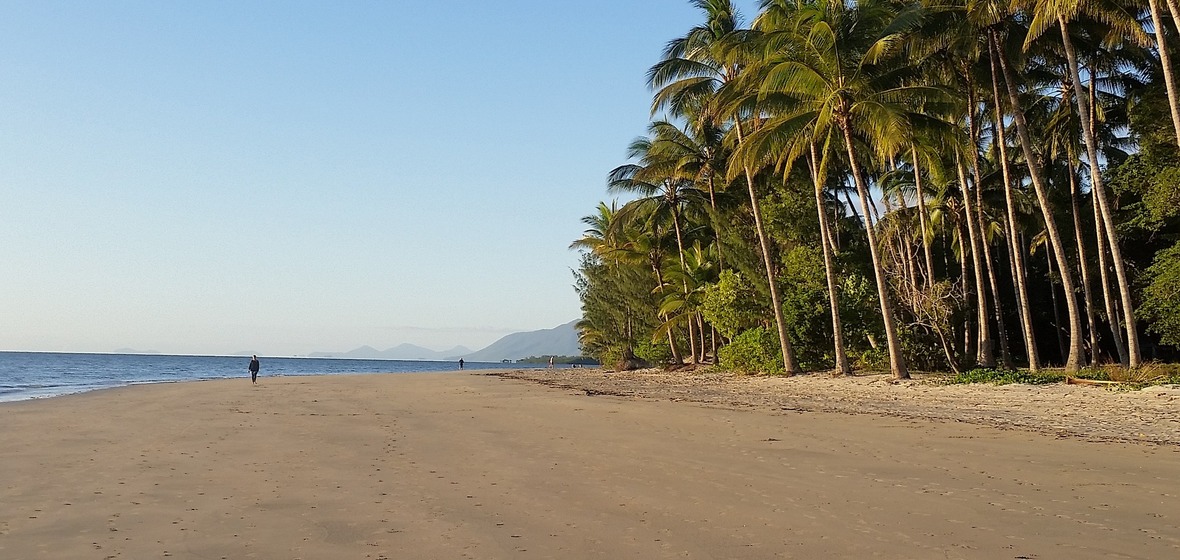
{"points": [[1059, 14], [1000, 142], [836, 63], [785, 136], [666, 197], [1041, 188], [693, 69], [611, 282]]}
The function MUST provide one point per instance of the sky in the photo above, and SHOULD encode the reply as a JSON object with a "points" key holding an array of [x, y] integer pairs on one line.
{"points": [[291, 177]]}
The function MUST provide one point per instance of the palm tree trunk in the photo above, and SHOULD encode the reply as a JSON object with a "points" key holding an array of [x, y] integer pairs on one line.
{"points": [[713, 342], [1001, 328], [713, 219], [1104, 269], [836, 226], [1083, 263], [692, 341], [1013, 270], [1099, 190], [789, 363], [897, 363], [1014, 247], [1112, 315], [671, 338], [973, 128], [922, 221], [1072, 361], [818, 169], [700, 324], [1056, 306], [986, 356], [970, 335], [1166, 63], [1173, 12]]}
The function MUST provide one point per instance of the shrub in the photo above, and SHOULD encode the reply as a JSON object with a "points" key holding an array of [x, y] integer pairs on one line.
{"points": [[732, 304], [754, 351], [1004, 377], [1150, 373], [1161, 296], [873, 359], [653, 352]]}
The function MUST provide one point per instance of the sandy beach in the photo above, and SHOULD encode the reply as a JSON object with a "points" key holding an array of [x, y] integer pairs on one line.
{"points": [[579, 464]]}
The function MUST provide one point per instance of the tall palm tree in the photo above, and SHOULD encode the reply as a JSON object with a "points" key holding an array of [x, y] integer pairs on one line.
{"points": [[1047, 13], [836, 65], [780, 139], [1014, 249], [1166, 62], [611, 315], [664, 199], [693, 69], [1062, 137], [1036, 174]]}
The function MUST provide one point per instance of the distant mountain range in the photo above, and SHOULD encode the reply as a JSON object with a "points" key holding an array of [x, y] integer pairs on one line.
{"points": [[558, 341]]}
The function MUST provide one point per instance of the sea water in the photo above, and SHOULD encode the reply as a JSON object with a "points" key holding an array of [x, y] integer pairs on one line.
{"points": [[30, 375]]}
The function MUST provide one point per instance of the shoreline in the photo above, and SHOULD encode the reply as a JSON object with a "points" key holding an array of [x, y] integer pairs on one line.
{"points": [[481, 464], [1150, 415]]}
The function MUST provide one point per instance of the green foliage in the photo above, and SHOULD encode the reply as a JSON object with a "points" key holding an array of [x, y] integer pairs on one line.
{"points": [[617, 304], [873, 358], [1150, 374], [732, 304], [860, 314], [922, 349], [1161, 296], [1149, 185], [1004, 377], [790, 212], [754, 351], [653, 352], [806, 307]]}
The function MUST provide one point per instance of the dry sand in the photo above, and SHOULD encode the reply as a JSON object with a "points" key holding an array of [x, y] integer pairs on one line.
{"points": [[475, 465]]}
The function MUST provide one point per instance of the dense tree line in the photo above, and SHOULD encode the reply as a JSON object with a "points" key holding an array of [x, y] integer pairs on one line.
{"points": [[929, 184]]}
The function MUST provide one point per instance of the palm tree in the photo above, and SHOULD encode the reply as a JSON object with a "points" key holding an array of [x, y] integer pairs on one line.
{"points": [[692, 71], [1031, 160], [610, 284], [1166, 61], [696, 271], [835, 65], [1014, 247], [781, 141], [819, 167], [1046, 13]]}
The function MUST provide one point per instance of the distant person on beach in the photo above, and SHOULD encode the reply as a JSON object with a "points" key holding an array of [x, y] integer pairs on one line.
{"points": [[254, 369], [460, 363], [550, 362]]}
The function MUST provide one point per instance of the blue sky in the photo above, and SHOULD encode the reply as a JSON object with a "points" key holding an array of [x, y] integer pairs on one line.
{"points": [[289, 177]]}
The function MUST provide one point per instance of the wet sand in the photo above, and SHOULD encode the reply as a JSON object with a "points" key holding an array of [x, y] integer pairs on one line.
{"points": [[472, 465]]}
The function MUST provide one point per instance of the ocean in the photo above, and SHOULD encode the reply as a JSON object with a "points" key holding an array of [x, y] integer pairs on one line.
{"points": [[32, 375]]}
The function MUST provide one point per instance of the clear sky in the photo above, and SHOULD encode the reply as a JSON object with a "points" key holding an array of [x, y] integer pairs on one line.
{"points": [[288, 177]]}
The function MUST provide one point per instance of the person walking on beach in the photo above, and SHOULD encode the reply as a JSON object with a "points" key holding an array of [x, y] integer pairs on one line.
{"points": [[254, 370], [460, 363]]}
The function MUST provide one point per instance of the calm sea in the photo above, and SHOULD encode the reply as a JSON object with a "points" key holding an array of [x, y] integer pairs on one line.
{"points": [[31, 375]]}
